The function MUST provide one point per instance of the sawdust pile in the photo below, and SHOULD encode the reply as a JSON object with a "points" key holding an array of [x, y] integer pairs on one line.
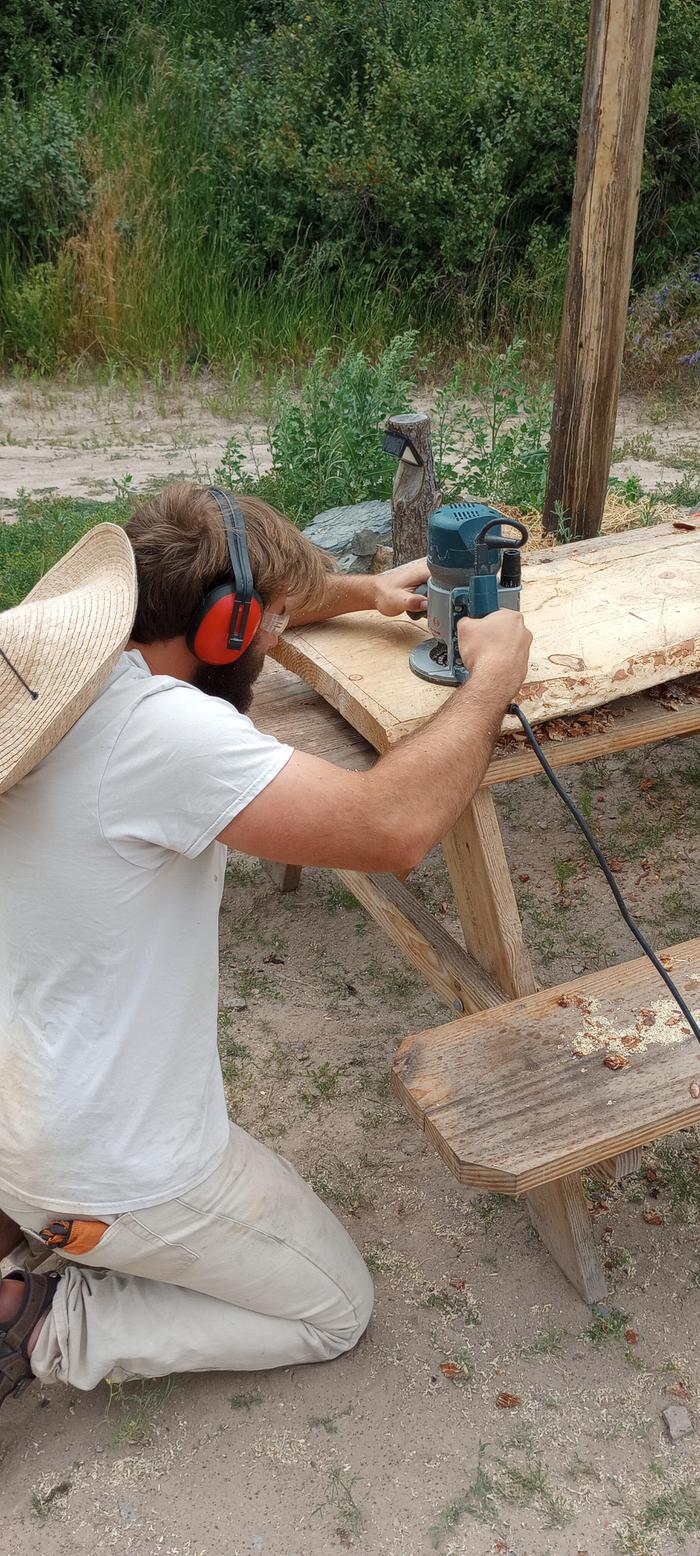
{"points": [[659, 1023]]}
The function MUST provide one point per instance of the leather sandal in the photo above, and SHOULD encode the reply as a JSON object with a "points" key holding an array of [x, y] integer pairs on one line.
{"points": [[15, 1368]]}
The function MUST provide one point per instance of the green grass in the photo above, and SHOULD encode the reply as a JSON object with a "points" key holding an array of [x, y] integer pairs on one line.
{"points": [[339, 1497], [44, 531], [547, 1343], [607, 1325], [134, 1408], [454, 1303]]}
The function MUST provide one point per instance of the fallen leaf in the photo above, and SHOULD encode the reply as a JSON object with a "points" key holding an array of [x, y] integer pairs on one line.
{"points": [[500, 1546], [564, 1001], [647, 1018], [615, 1062], [616, 865], [681, 524], [647, 783], [453, 1370], [277, 961], [508, 1401], [631, 1336], [678, 1390], [652, 1217], [458, 1285], [523, 878]]}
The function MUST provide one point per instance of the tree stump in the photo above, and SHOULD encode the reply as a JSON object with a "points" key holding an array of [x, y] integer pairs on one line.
{"points": [[416, 492]]}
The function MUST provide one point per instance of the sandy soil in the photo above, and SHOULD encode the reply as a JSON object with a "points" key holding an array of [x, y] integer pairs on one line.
{"points": [[382, 1452], [79, 441]]}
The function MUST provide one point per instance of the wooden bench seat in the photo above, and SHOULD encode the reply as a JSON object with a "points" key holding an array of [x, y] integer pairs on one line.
{"points": [[286, 707], [521, 1095]]}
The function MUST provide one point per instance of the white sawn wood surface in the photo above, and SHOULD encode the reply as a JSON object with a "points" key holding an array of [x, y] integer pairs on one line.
{"points": [[609, 617]]}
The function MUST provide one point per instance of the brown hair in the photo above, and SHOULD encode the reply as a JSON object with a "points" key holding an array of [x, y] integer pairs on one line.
{"points": [[179, 542]]}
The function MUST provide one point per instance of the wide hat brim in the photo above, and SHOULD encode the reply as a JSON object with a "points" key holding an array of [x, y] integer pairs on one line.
{"points": [[64, 639]]}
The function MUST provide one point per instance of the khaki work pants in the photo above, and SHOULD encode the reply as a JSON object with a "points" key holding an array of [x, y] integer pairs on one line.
{"points": [[249, 1270]]}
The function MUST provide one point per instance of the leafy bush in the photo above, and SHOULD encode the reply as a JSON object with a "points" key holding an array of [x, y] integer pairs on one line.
{"points": [[325, 443], [497, 444], [490, 436], [664, 322], [296, 171], [43, 191]]}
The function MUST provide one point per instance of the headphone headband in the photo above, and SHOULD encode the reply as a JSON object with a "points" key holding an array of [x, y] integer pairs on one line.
{"points": [[234, 524]]}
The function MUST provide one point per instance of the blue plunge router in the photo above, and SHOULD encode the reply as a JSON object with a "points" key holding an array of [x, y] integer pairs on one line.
{"points": [[474, 569]]}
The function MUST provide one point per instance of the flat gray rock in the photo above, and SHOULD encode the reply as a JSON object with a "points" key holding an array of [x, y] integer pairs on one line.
{"points": [[336, 529], [678, 1422]]}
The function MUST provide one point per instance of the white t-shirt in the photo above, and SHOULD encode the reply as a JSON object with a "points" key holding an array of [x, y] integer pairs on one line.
{"points": [[111, 1094]]}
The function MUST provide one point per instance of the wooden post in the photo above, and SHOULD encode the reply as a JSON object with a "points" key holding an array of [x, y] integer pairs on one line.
{"points": [[621, 44], [416, 492]]}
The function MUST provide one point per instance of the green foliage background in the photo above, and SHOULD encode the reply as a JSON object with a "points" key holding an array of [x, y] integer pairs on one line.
{"points": [[188, 182]]}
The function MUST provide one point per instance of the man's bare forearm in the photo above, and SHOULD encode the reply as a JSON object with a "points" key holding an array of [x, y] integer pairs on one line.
{"points": [[428, 780], [342, 592]]}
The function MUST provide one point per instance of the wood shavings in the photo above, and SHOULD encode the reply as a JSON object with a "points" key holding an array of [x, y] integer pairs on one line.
{"points": [[658, 1023]]}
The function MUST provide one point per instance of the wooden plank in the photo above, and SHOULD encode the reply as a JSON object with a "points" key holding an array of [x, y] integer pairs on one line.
{"points": [[288, 708], [488, 911], [561, 1216], [285, 877], [511, 1099], [618, 1167], [443, 963], [610, 617], [645, 721], [617, 84]]}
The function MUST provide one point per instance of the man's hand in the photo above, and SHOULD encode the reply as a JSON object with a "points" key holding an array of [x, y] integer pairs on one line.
{"points": [[395, 591], [497, 646]]}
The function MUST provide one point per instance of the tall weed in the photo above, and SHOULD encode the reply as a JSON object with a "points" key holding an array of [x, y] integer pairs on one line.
{"points": [[491, 435], [325, 443]]}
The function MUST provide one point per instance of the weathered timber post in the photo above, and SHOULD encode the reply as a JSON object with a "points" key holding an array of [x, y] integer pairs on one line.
{"points": [[621, 42], [416, 493]]}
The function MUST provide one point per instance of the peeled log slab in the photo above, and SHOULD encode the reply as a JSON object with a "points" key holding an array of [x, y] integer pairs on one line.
{"points": [[609, 617], [416, 492]]}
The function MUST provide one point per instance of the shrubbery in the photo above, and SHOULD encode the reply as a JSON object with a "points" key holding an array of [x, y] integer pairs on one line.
{"points": [[402, 163]]}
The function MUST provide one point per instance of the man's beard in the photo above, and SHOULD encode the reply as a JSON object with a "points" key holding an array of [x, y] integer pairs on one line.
{"points": [[235, 682]]}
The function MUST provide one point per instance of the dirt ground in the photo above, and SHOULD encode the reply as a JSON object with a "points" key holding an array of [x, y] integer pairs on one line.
{"points": [[383, 1452], [79, 440]]}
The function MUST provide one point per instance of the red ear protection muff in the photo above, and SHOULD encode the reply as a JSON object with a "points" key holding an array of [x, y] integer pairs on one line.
{"points": [[226, 622]]}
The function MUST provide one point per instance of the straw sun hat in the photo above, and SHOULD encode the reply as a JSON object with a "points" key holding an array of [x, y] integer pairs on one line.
{"points": [[58, 648]]}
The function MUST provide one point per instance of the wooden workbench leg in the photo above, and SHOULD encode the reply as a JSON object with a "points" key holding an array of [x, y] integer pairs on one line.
{"points": [[560, 1213], [488, 911], [493, 935], [285, 877]]}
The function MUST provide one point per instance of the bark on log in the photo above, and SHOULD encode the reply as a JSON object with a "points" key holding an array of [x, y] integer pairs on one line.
{"points": [[416, 492], [621, 44]]}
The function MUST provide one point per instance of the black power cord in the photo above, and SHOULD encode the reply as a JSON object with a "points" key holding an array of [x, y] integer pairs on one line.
{"points": [[605, 867]]}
